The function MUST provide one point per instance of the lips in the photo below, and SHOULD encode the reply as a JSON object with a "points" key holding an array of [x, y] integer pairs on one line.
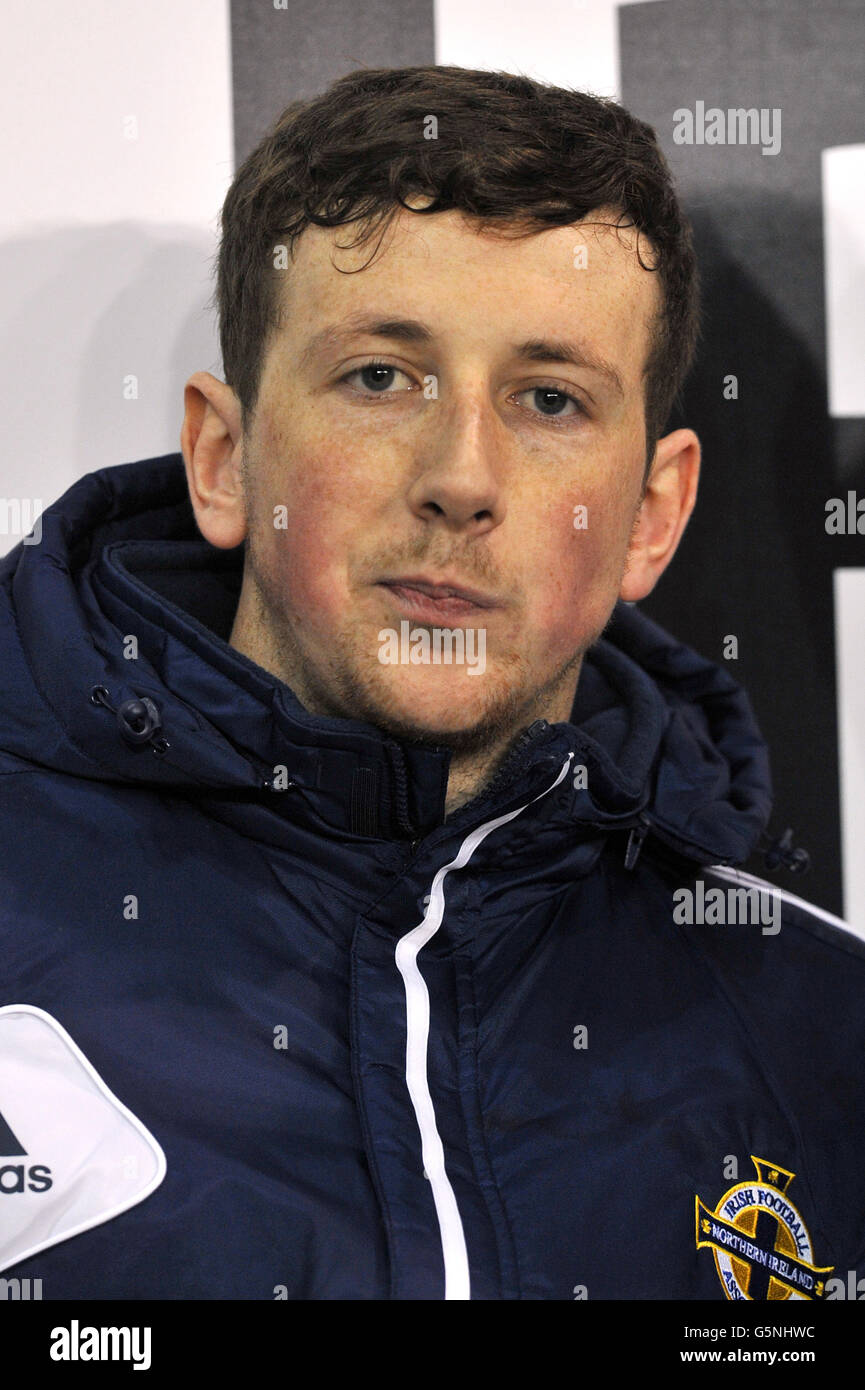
{"points": [[440, 592]]}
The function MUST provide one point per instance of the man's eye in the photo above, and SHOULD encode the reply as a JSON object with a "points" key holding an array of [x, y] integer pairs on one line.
{"points": [[549, 400], [377, 377]]}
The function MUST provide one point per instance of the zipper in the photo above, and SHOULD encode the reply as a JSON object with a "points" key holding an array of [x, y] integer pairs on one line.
{"points": [[506, 770], [508, 767], [417, 1020]]}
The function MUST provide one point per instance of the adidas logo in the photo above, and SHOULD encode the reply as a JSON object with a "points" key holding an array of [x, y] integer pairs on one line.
{"points": [[18, 1177]]}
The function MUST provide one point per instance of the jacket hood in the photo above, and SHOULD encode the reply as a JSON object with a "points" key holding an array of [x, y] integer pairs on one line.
{"points": [[668, 739]]}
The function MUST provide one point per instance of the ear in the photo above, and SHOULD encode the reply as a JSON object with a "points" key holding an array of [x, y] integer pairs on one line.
{"points": [[211, 441], [671, 491]]}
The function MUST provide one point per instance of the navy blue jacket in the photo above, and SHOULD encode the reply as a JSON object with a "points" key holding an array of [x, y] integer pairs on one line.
{"points": [[272, 1028]]}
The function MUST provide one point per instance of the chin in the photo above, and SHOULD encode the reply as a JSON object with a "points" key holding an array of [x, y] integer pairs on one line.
{"points": [[434, 724], [441, 696], [460, 712]]}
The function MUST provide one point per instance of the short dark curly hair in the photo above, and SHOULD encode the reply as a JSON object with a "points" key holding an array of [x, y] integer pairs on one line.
{"points": [[510, 152]]}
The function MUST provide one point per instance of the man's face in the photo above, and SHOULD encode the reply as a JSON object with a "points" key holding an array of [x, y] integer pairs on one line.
{"points": [[463, 462]]}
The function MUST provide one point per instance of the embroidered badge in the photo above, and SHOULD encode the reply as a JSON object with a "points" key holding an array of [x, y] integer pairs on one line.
{"points": [[760, 1244]]}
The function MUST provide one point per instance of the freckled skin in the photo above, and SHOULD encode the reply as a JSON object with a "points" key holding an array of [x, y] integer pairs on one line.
{"points": [[479, 482]]}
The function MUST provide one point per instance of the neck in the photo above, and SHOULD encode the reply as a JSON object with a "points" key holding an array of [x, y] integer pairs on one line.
{"points": [[470, 773]]}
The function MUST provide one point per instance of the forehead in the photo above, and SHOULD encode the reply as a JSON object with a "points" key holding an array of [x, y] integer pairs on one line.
{"points": [[482, 289]]}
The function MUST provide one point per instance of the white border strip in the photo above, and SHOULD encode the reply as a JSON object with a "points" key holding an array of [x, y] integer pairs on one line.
{"points": [[848, 583], [739, 876], [842, 172], [456, 1262]]}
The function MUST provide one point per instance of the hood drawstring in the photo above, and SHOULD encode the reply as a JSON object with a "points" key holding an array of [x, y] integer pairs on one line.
{"points": [[780, 851], [635, 840], [138, 720]]}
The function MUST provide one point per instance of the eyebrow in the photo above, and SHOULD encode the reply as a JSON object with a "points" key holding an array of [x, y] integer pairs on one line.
{"points": [[414, 331]]}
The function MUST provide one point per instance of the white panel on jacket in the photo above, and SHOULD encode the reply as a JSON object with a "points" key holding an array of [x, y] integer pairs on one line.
{"points": [[71, 1154]]}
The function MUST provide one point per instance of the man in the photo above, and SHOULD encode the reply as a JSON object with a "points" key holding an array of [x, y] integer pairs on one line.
{"points": [[366, 930]]}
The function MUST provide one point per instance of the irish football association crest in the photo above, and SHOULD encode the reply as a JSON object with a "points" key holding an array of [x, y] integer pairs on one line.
{"points": [[759, 1241]]}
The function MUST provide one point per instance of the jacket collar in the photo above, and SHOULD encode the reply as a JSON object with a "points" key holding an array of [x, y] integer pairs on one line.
{"points": [[665, 736]]}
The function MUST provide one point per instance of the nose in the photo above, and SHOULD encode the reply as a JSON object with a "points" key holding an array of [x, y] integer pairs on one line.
{"points": [[459, 478]]}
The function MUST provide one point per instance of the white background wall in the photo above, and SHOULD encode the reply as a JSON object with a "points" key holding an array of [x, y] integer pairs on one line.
{"points": [[105, 239], [574, 43]]}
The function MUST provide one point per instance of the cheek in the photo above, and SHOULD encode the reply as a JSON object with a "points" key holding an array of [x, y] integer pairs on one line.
{"points": [[307, 550], [576, 575]]}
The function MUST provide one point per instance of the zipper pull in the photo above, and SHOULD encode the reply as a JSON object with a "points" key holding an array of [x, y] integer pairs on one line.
{"points": [[635, 840]]}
